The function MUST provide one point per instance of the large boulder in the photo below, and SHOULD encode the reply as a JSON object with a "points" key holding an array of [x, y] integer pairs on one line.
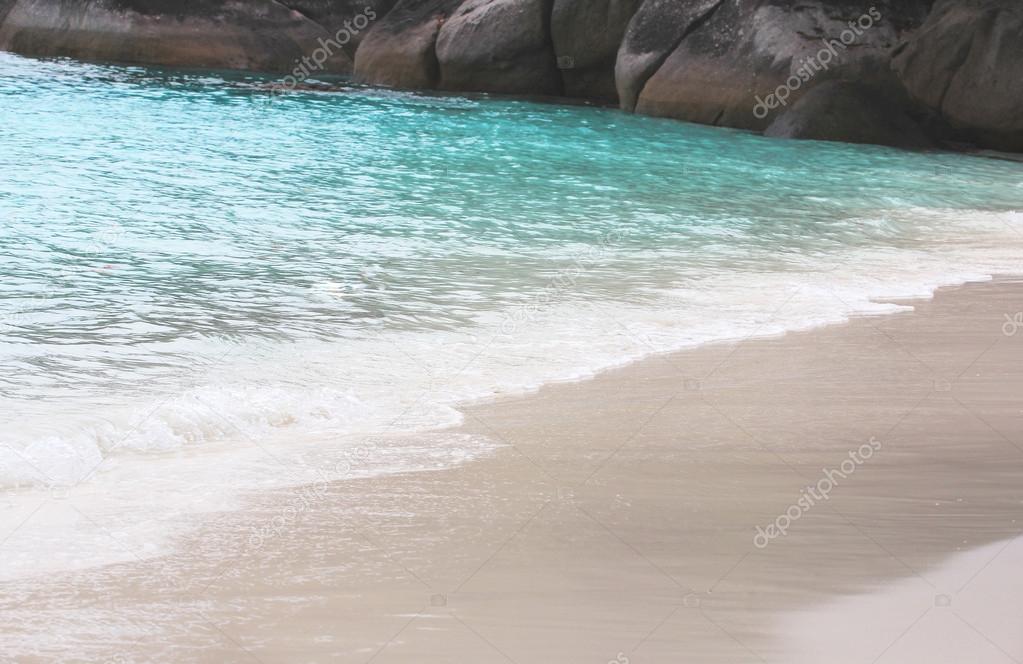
{"points": [[731, 56], [260, 35], [400, 49], [966, 61], [653, 33], [851, 113], [338, 16], [498, 46], [5, 7], [586, 35]]}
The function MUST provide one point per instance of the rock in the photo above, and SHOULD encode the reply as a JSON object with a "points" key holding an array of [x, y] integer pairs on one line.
{"points": [[498, 46], [739, 52], [586, 35], [654, 32], [852, 113], [336, 16], [5, 7], [966, 61], [262, 35], [399, 50]]}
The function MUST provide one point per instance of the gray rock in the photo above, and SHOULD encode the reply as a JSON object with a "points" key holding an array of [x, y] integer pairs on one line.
{"points": [[400, 49], [743, 51], [966, 61], [498, 46], [261, 35], [336, 16], [852, 113], [653, 34], [586, 35]]}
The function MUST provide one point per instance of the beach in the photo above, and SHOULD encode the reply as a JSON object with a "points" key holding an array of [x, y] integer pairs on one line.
{"points": [[472, 331], [636, 516]]}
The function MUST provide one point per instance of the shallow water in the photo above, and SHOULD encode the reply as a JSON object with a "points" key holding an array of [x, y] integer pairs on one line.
{"points": [[184, 263]]}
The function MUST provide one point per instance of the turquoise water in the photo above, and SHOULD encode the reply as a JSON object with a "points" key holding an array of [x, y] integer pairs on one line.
{"points": [[183, 261]]}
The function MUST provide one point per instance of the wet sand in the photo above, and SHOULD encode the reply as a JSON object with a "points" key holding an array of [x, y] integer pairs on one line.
{"points": [[617, 523]]}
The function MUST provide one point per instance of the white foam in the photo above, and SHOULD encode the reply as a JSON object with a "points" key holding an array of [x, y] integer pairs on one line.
{"points": [[333, 396], [137, 506]]}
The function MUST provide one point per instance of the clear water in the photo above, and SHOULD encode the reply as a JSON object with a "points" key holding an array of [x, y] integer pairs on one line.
{"points": [[184, 264]]}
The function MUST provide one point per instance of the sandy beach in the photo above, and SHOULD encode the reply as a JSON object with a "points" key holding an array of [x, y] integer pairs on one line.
{"points": [[618, 522], [511, 331]]}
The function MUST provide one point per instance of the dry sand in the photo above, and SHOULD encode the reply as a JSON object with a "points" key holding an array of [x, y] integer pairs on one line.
{"points": [[617, 523]]}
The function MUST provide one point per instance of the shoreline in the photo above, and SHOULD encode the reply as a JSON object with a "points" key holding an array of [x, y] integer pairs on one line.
{"points": [[618, 517], [186, 505]]}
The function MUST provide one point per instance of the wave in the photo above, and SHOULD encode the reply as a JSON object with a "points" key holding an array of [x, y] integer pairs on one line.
{"points": [[402, 381]]}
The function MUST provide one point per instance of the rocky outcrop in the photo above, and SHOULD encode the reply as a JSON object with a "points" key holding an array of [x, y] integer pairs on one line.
{"points": [[5, 7], [942, 69], [400, 49], [852, 113], [336, 16], [586, 35], [262, 35], [732, 53], [498, 46], [653, 34], [966, 62]]}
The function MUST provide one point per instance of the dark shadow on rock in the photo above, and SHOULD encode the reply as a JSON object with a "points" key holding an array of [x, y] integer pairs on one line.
{"points": [[966, 61], [851, 113], [586, 35]]}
